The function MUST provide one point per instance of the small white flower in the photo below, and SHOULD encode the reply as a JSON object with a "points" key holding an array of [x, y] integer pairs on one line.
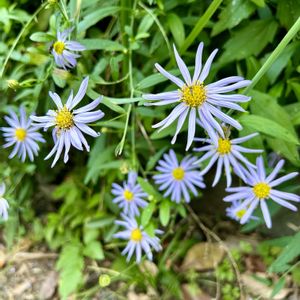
{"points": [[3, 203]]}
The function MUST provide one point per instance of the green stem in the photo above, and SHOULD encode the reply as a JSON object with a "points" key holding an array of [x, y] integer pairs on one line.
{"points": [[19, 37], [271, 59], [200, 25]]}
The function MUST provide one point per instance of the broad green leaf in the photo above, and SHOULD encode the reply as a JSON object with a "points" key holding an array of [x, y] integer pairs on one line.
{"points": [[232, 15], [268, 127], [289, 253], [259, 32], [260, 3], [148, 188], [42, 37], [147, 213], [288, 11], [94, 250], [164, 212], [278, 287], [97, 16], [102, 44], [145, 24], [176, 28]]}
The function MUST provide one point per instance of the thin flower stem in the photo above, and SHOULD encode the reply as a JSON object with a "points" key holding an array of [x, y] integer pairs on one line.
{"points": [[274, 55], [200, 25], [20, 35], [62, 8]]}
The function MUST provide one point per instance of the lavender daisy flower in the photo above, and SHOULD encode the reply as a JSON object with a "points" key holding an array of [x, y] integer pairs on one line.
{"points": [[194, 97], [226, 153], [22, 135], [234, 212], [3, 203], [61, 50], [129, 196], [260, 188], [70, 123], [138, 239], [178, 178]]}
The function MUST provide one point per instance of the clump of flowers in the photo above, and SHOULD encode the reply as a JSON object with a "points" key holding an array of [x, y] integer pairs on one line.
{"points": [[178, 179], [3, 203], [62, 50], [22, 135], [260, 189], [138, 239], [130, 196], [69, 123], [196, 98]]}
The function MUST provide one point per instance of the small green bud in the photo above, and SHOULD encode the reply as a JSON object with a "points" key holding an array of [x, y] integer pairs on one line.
{"points": [[104, 280], [13, 84]]}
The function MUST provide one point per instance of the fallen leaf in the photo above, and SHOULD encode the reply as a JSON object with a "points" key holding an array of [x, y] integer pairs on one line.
{"points": [[149, 267], [203, 256], [193, 292], [49, 285]]}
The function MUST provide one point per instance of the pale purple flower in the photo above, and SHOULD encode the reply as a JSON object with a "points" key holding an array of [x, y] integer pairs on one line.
{"points": [[178, 179], [62, 50], [22, 134], [129, 196], [3, 203], [235, 213], [70, 123], [194, 97], [138, 239], [225, 153], [260, 190]]}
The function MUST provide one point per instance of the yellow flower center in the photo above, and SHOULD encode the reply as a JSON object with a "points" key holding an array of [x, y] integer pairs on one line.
{"points": [[261, 190], [224, 146], [178, 173], [64, 119], [20, 134], [128, 195], [240, 213], [59, 47], [136, 235], [194, 95]]}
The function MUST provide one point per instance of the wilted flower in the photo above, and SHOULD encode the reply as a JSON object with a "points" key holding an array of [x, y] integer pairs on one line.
{"points": [[178, 179], [261, 188], [193, 96], [69, 123], [61, 50], [22, 134], [234, 212], [3, 203], [129, 196], [138, 239], [226, 153]]}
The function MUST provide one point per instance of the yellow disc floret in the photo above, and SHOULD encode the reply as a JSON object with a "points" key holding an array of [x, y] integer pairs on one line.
{"points": [[59, 47], [193, 95], [128, 195], [240, 213], [64, 119], [20, 134], [261, 190], [178, 173], [224, 146], [136, 235]]}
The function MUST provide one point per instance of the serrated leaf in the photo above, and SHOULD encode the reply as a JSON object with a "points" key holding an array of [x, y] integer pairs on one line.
{"points": [[94, 250], [164, 212], [232, 15]]}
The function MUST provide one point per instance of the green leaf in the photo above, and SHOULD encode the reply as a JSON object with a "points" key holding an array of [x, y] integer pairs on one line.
{"points": [[176, 28], [278, 287], [259, 32], [148, 188], [100, 222], [268, 127], [94, 250], [232, 15], [102, 44], [96, 16], [70, 265], [291, 251], [153, 159], [164, 212], [260, 3], [42, 37], [147, 213], [288, 11], [145, 24]]}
